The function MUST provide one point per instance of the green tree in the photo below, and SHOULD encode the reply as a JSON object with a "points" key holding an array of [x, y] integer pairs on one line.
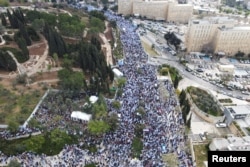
{"points": [[141, 111], [70, 25], [97, 14], [96, 127], [23, 46], [99, 110], [172, 39], [116, 104], [139, 130], [24, 33], [3, 19], [182, 96], [96, 42], [38, 24], [35, 143], [112, 120], [176, 82], [13, 126], [49, 18], [55, 41], [59, 138], [70, 80], [97, 23], [31, 15], [7, 62], [239, 54], [121, 82]]}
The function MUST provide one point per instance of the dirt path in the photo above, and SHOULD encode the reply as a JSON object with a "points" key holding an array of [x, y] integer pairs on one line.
{"points": [[106, 45], [107, 48]]}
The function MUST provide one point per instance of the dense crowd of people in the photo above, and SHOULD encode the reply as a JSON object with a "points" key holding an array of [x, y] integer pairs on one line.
{"points": [[163, 132]]}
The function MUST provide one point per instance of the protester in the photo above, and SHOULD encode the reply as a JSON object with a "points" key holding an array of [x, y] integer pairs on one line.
{"points": [[164, 126]]}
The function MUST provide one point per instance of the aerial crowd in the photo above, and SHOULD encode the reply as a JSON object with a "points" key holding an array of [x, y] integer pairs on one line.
{"points": [[164, 126]]}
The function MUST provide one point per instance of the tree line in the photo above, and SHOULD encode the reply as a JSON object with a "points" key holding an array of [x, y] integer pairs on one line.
{"points": [[55, 41], [185, 106], [22, 37]]}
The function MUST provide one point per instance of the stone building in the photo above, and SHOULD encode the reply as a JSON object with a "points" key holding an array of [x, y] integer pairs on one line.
{"points": [[168, 10], [201, 33], [233, 39], [217, 35]]}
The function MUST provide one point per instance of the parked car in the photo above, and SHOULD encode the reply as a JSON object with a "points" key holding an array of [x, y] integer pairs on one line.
{"points": [[199, 70], [221, 125], [188, 69]]}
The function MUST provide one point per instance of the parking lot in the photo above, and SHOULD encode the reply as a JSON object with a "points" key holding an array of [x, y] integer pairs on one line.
{"points": [[204, 67]]}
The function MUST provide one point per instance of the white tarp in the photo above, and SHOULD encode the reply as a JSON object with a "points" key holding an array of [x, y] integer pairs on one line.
{"points": [[78, 115], [93, 99]]}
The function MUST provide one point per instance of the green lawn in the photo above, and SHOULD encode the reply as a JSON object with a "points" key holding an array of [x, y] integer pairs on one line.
{"points": [[170, 159], [200, 152], [17, 107]]}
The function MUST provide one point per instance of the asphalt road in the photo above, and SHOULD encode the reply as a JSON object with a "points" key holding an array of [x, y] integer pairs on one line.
{"points": [[167, 58]]}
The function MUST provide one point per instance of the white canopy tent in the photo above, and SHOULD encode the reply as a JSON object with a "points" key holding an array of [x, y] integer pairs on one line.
{"points": [[80, 116]]}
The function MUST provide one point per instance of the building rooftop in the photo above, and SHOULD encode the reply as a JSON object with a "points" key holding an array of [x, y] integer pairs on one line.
{"points": [[237, 28], [246, 139], [218, 144], [231, 143], [240, 109], [235, 139], [215, 20], [240, 72]]}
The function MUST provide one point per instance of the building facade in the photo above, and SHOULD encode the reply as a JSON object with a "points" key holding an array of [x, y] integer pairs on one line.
{"points": [[201, 33], [168, 10], [231, 40], [217, 35], [236, 112]]}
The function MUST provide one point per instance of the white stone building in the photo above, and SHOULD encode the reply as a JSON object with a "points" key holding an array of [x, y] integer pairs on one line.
{"points": [[168, 10], [217, 35]]}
